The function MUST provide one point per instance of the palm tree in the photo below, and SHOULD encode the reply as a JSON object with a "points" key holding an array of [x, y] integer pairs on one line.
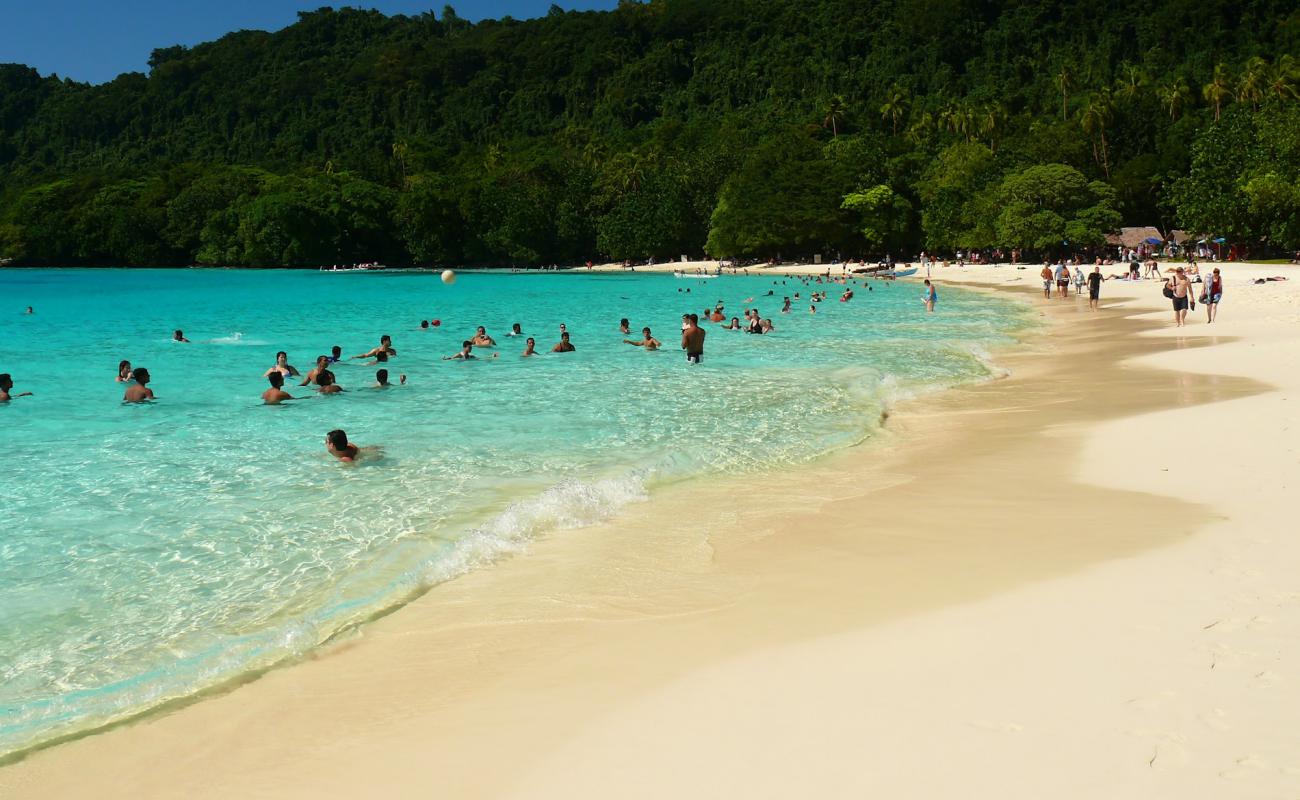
{"points": [[836, 108], [990, 122], [895, 107], [1131, 82], [399, 153], [1216, 92], [1094, 117], [1251, 84], [920, 128], [1064, 82], [1282, 79], [1175, 95]]}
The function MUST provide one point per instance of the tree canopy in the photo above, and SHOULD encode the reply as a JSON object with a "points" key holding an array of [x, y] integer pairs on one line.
{"points": [[733, 127]]}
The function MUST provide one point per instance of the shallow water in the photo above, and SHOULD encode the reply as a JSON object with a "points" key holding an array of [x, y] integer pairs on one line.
{"points": [[152, 551]]}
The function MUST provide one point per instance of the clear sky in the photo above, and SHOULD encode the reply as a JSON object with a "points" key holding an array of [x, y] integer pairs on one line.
{"points": [[95, 40]]}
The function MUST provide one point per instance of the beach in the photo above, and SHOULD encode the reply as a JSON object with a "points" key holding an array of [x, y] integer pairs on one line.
{"points": [[1072, 581]]}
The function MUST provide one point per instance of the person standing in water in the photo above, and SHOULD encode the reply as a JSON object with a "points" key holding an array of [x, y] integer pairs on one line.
{"points": [[326, 382], [313, 375], [381, 379], [930, 297], [529, 348], [693, 340], [276, 394], [515, 330], [563, 346], [647, 341], [282, 366], [624, 327], [139, 392], [465, 354], [481, 339], [7, 387], [179, 336], [337, 444], [124, 371]]}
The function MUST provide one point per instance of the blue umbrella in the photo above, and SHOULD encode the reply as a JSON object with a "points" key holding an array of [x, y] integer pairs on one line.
{"points": [[1152, 240], [1220, 240]]}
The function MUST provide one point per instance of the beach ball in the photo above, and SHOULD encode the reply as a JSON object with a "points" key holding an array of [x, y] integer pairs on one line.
{"points": [[448, 276]]}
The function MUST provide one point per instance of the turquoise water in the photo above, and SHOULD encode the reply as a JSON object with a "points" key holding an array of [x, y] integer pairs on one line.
{"points": [[150, 551]]}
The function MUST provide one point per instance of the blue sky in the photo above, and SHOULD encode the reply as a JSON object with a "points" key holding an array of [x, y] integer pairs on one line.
{"points": [[95, 40]]}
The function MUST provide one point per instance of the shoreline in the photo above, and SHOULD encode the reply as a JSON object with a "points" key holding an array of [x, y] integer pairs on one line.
{"points": [[603, 615]]}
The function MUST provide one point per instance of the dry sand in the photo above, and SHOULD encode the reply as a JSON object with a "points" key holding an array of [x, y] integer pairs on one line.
{"points": [[1073, 582]]}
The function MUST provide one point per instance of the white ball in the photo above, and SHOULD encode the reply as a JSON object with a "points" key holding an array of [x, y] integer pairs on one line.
{"points": [[448, 276]]}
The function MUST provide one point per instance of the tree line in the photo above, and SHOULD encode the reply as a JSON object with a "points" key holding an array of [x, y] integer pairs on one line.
{"points": [[736, 128]]}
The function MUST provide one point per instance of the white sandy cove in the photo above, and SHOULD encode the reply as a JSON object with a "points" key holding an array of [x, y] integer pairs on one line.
{"points": [[1040, 605], [1172, 674]]}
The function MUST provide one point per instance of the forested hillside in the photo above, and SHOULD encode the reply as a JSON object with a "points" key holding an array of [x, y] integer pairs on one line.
{"points": [[736, 127]]}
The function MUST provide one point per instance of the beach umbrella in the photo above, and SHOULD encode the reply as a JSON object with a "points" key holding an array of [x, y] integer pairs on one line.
{"points": [[1220, 240], [1152, 240]]}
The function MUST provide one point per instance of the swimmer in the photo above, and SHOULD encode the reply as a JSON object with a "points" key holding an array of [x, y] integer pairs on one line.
{"points": [[179, 336], [313, 375], [138, 392], [693, 340], [381, 379], [465, 353], [785, 309], [563, 346], [424, 324], [385, 346], [515, 330], [29, 311], [481, 339], [276, 394], [812, 309], [6, 389], [124, 371], [623, 326], [529, 348], [336, 442], [766, 326], [336, 354], [282, 366], [326, 382], [717, 315], [380, 358], [648, 342]]}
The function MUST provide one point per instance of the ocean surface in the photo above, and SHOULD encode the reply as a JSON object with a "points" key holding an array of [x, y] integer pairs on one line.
{"points": [[150, 551]]}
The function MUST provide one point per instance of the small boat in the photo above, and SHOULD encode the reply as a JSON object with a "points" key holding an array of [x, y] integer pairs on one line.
{"points": [[903, 273]]}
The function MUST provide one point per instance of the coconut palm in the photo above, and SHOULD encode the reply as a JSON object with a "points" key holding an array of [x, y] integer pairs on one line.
{"points": [[1175, 95], [1217, 91], [1253, 81], [399, 154], [1064, 82], [1131, 82], [836, 108], [1094, 118], [895, 106], [920, 128], [1282, 79], [991, 120]]}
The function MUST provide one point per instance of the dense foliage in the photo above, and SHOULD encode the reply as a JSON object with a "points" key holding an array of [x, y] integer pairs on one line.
{"points": [[736, 127]]}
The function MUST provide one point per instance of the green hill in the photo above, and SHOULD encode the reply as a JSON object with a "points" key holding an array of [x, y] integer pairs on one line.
{"points": [[744, 127]]}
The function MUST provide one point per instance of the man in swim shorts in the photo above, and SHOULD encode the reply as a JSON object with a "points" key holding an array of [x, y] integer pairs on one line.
{"points": [[313, 375], [693, 340], [1046, 275], [1094, 288], [563, 346], [1182, 296]]}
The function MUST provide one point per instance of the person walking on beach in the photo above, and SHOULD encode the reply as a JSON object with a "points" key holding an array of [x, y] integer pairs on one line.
{"points": [[139, 392], [276, 394], [1046, 275], [1078, 279], [930, 296], [1094, 288], [1212, 294], [1062, 274], [7, 387], [1180, 290], [693, 340]]}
